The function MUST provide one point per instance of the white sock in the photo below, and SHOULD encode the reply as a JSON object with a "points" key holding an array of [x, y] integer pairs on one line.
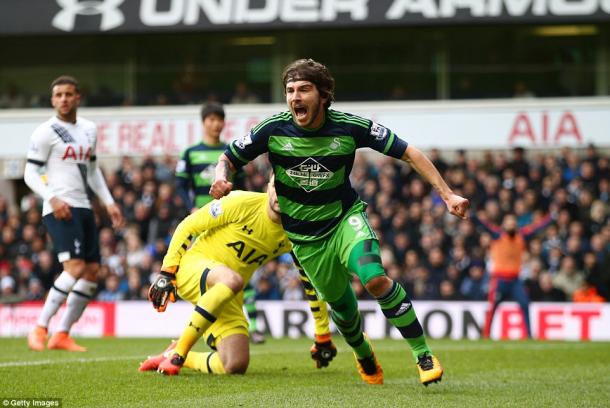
{"points": [[82, 293], [56, 297]]}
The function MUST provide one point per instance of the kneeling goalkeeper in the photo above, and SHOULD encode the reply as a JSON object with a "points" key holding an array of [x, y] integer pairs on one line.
{"points": [[232, 237]]}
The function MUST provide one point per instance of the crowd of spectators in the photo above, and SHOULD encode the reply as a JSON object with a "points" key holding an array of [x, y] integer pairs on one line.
{"points": [[433, 254]]}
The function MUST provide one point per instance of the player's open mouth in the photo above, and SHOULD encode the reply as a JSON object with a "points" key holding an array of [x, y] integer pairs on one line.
{"points": [[300, 112]]}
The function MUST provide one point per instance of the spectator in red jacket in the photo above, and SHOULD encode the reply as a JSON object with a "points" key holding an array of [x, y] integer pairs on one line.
{"points": [[506, 254]]}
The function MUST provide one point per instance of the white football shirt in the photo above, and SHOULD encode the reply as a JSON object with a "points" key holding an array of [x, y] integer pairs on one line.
{"points": [[66, 149]]}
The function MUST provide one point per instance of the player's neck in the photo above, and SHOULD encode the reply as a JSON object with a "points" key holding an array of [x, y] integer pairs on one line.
{"points": [[210, 141], [70, 118], [273, 216], [319, 120]]}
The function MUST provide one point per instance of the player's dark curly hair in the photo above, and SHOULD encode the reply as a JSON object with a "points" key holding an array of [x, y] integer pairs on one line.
{"points": [[314, 72], [65, 80]]}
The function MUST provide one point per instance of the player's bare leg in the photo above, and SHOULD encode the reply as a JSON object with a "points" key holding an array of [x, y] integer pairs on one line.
{"points": [[223, 284], [232, 356], [235, 354]]}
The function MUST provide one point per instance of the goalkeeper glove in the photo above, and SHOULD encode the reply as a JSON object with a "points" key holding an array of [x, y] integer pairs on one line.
{"points": [[323, 350], [163, 290]]}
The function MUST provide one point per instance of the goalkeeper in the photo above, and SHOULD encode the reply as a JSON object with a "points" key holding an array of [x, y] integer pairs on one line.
{"points": [[231, 238]]}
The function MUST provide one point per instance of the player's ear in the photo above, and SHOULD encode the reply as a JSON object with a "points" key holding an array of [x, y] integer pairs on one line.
{"points": [[325, 98]]}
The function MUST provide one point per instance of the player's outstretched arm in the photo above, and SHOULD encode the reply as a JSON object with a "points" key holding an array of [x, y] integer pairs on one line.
{"points": [[164, 287], [221, 185], [456, 204]]}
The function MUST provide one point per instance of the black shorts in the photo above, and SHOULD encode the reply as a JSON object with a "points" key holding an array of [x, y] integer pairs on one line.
{"points": [[76, 238]]}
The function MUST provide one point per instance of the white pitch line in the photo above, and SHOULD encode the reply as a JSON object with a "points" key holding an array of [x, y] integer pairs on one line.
{"points": [[399, 346], [75, 360]]}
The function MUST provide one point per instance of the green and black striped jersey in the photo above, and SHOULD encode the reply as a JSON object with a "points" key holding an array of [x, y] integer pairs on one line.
{"points": [[312, 167], [195, 171]]}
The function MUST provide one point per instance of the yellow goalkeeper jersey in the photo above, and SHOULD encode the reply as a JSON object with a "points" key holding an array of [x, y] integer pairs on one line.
{"points": [[235, 231]]}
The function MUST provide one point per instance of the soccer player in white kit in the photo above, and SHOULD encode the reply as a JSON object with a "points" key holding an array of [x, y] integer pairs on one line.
{"points": [[65, 146]]}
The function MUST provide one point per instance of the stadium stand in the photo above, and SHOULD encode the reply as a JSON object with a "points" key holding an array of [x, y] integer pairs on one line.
{"points": [[434, 255]]}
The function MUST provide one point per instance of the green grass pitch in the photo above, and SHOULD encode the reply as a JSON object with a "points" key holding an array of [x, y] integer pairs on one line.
{"points": [[281, 374]]}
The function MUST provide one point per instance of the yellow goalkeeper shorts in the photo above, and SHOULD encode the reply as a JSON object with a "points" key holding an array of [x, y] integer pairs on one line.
{"points": [[191, 281]]}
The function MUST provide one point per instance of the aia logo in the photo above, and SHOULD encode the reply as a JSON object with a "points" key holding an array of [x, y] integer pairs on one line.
{"points": [[78, 153], [545, 128], [112, 17], [247, 255]]}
